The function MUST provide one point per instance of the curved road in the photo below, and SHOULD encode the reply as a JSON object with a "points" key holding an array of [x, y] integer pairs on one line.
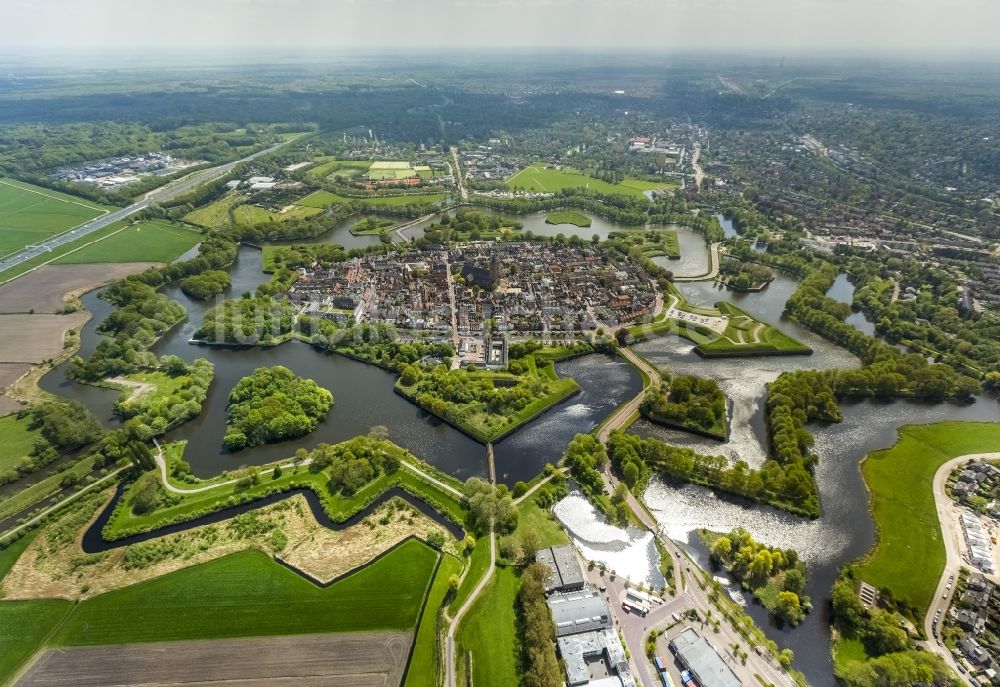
{"points": [[170, 190], [713, 252], [952, 537]]}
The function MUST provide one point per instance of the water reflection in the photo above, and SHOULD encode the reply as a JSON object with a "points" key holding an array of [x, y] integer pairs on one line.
{"points": [[630, 552]]}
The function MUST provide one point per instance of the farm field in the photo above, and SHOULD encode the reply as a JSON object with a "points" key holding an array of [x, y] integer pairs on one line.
{"points": [[30, 214], [149, 241], [361, 659], [539, 178], [247, 594], [489, 632], [909, 555]]}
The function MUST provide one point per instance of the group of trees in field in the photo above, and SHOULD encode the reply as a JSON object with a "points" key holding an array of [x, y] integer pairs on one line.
{"points": [[273, 404], [537, 632], [489, 504], [161, 412], [205, 285], [63, 426], [305, 255], [895, 661], [249, 320], [688, 401], [758, 566], [351, 466]]}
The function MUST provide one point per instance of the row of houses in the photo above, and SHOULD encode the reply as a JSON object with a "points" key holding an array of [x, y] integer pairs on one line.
{"points": [[977, 542]]}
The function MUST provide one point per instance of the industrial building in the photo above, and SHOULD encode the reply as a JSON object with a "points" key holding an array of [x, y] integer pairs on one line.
{"points": [[566, 574], [697, 655], [587, 639]]}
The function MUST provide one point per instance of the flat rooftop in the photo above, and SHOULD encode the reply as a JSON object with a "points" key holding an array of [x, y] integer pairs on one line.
{"points": [[703, 660], [566, 570]]}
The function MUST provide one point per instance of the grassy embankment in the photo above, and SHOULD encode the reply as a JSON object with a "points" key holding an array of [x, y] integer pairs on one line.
{"points": [[538, 178], [655, 243], [489, 633], [29, 496], [568, 217], [339, 507], [149, 241], [32, 214], [476, 419], [217, 214], [744, 334], [372, 226], [425, 665]]}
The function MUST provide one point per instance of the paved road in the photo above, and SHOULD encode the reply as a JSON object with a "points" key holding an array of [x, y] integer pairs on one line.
{"points": [[457, 173], [163, 193], [952, 537], [684, 572], [450, 642]]}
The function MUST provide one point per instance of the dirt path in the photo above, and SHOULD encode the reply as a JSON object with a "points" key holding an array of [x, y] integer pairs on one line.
{"points": [[450, 643]]}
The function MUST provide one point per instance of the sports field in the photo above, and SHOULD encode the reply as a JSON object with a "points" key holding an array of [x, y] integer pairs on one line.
{"points": [[150, 241], [328, 167], [30, 214], [540, 178]]}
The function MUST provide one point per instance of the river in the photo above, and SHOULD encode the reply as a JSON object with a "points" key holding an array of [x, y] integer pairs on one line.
{"points": [[845, 529], [364, 397]]}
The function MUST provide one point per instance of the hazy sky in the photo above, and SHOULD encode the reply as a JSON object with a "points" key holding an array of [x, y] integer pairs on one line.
{"points": [[934, 26]]}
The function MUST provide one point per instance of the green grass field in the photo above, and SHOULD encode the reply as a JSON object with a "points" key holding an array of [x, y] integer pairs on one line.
{"points": [[909, 555], [30, 214], [247, 594], [215, 215], [575, 218], [538, 177], [325, 199], [424, 665], [532, 518], [149, 241], [489, 632], [16, 441], [329, 167]]}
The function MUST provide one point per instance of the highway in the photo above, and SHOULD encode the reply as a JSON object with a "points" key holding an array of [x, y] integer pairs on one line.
{"points": [[166, 192]]}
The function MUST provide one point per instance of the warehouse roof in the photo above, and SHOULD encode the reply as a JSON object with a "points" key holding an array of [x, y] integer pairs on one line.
{"points": [[703, 660]]}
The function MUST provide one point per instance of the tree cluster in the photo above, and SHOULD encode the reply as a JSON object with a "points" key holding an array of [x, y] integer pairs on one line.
{"points": [[537, 632], [205, 285], [249, 320], [273, 404], [688, 401], [353, 465], [489, 504]]}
